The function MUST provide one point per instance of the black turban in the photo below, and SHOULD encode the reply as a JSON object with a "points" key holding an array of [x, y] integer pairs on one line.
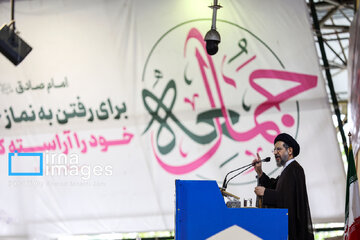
{"points": [[290, 141]]}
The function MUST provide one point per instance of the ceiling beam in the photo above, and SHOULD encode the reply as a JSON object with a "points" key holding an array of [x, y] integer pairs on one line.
{"points": [[328, 15], [336, 27]]}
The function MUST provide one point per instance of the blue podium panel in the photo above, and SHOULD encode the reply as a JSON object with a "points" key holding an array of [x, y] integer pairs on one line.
{"points": [[201, 213]]}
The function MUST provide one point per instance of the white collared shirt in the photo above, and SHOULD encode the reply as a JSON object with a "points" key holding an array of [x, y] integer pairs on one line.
{"points": [[288, 163]]}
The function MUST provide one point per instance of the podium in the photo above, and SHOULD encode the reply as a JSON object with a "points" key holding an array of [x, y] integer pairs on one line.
{"points": [[201, 213]]}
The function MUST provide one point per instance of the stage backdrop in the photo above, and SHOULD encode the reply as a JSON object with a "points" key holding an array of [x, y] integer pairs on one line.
{"points": [[118, 99]]}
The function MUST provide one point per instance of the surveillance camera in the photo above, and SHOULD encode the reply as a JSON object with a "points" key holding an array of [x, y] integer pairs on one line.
{"points": [[12, 46], [212, 39]]}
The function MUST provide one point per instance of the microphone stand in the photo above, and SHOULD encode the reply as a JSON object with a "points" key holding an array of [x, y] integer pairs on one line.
{"points": [[246, 168], [258, 198], [222, 190]]}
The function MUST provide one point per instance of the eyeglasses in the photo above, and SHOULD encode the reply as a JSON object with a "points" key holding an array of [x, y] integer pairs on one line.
{"points": [[278, 149]]}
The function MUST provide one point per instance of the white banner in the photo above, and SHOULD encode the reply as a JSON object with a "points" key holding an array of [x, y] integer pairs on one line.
{"points": [[119, 99]]}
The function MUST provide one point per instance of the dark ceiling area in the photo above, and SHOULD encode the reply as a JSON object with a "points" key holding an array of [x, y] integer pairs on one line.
{"points": [[331, 21], [334, 20]]}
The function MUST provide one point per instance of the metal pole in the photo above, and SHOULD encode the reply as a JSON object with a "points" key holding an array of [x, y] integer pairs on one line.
{"points": [[12, 2], [328, 75], [355, 5], [215, 7]]}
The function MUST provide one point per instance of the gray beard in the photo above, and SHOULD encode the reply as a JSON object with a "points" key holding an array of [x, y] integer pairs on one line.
{"points": [[282, 161]]}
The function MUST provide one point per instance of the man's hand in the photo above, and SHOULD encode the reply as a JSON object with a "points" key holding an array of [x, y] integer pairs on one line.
{"points": [[259, 191], [257, 166]]}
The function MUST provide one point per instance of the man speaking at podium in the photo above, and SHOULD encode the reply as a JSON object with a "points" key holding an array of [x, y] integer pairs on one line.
{"points": [[287, 190]]}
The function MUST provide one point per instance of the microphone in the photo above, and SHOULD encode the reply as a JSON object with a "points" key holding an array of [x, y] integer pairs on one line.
{"points": [[262, 160], [225, 182]]}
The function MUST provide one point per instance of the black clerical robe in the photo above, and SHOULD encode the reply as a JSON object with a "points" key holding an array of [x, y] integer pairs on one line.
{"points": [[289, 191]]}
